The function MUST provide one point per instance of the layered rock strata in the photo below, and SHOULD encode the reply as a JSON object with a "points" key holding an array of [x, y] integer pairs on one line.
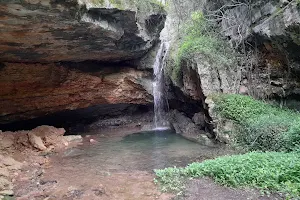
{"points": [[33, 90]]}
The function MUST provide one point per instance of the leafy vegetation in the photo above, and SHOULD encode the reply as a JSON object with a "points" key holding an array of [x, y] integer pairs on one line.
{"points": [[275, 171], [201, 36], [261, 126], [170, 179]]}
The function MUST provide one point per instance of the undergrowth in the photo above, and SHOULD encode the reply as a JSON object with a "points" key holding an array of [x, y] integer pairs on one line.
{"points": [[260, 126], [271, 171]]}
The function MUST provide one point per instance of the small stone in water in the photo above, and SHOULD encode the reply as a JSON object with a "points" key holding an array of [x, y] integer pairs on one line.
{"points": [[92, 141]]}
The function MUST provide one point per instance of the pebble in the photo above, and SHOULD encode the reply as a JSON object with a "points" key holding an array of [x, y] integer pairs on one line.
{"points": [[4, 172]]}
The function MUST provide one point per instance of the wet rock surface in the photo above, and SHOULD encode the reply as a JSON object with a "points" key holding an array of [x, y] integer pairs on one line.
{"points": [[138, 120], [190, 130]]}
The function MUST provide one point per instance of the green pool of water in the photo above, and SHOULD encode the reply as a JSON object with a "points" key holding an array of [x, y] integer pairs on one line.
{"points": [[140, 151]]}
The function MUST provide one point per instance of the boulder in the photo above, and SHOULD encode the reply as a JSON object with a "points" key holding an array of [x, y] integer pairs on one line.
{"points": [[185, 126], [41, 138], [7, 192], [6, 141], [199, 119], [36, 141]]}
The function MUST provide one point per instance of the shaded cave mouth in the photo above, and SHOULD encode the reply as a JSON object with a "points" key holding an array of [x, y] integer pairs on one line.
{"points": [[100, 117], [103, 116], [81, 120]]}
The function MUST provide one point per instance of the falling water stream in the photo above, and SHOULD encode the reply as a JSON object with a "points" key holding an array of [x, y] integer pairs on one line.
{"points": [[160, 121], [117, 164]]}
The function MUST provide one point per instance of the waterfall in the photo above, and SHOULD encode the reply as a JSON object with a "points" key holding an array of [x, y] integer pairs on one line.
{"points": [[160, 121]]}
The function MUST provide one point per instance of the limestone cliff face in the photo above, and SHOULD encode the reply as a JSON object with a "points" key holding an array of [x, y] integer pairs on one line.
{"points": [[270, 31], [273, 28], [54, 30], [265, 37], [33, 90]]}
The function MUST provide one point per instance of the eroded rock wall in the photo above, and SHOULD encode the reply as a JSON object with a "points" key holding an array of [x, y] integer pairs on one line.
{"points": [[33, 90]]}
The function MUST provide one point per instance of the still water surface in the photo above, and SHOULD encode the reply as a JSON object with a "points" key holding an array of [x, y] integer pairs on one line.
{"points": [[143, 151]]}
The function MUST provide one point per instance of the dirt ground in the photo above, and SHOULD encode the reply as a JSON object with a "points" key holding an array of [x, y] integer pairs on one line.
{"points": [[49, 184], [52, 185], [207, 189]]}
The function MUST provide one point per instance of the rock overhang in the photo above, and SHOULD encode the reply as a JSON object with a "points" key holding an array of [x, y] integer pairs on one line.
{"points": [[53, 30]]}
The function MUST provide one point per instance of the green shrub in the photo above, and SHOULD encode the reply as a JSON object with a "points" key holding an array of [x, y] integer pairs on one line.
{"points": [[261, 126], [200, 36], [274, 171]]}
